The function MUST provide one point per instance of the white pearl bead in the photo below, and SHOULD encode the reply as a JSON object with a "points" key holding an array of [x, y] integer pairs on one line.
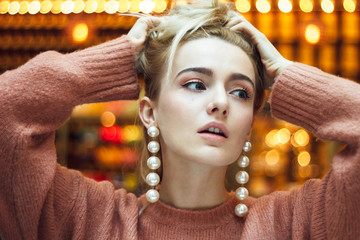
{"points": [[153, 146], [241, 210], [242, 193], [153, 131], [152, 179], [152, 195], [242, 177], [247, 147], [153, 162], [243, 161]]}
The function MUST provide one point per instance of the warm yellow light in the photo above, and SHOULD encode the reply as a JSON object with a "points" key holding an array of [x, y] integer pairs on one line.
{"points": [[283, 135], [67, 7], [56, 6], [304, 158], [80, 32], [100, 6], [111, 6], [312, 33], [45, 7], [90, 6], [160, 6], [147, 6], [34, 7], [135, 6], [107, 119], [181, 2], [306, 5], [301, 137], [124, 6], [24, 7], [79, 6], [4, 7], [349, 5], [285, 6], [263, 6], [271, 138], [272, 157], [132, 133], [14, 8], [243, 6], [327, 6]]}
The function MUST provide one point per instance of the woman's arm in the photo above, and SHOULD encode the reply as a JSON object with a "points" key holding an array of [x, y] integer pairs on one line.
{"points": [[329, 107], [37, 197]]}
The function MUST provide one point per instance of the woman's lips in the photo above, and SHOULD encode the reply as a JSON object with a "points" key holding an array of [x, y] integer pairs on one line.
{"points": [[212, 136]]}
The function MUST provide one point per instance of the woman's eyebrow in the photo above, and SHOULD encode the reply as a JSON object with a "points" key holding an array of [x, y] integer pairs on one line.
{"points": [[202, 70], [240, 76]]}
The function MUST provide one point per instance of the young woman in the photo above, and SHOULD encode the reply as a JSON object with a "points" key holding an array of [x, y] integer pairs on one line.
{"points": [[204, 81]]}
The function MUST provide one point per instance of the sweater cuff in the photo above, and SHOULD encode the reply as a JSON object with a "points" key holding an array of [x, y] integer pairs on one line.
{"points": [[110, 68], [299, 94]]}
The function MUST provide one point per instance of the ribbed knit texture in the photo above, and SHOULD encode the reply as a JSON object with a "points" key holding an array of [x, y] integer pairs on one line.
{"points": [[41, 200]]}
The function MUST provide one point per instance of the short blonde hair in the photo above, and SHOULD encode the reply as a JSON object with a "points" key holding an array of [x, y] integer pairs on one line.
{"points": [[201, 19]]}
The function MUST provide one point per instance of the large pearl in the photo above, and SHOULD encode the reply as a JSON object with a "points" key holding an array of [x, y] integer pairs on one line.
{"points": [[242, 177], [153, 146], [247, 147], [153, 131], [152, 179], [241, 210], [242, 193], [243, 161], [152, 195], [153, 162]]}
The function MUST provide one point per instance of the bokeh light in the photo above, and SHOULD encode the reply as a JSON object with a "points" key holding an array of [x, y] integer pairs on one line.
{"points": [[349, 5], [4, 7], [327, 6], [34, 7], [272, 157], [301, 137], [111, 6], [271, 138], [160, 6], [304, 158], [124, 6], [67, 7], [283, 135], [243, 6], [90, 6], [24, 7], [56, 6], [135, 5], [306, 5], [79, 6], [100, 6], [107, 119], [147, 6], [263, 6], [45, 6], [285, 6], [14, 8], [80, 32], [312, 33]]}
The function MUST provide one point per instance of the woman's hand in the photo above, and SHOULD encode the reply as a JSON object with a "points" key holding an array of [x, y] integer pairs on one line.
{"points": [[273, 61], [138, 32]]}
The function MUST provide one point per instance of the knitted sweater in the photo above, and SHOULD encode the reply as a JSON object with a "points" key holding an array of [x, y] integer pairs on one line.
{"points": [[41, 200]]}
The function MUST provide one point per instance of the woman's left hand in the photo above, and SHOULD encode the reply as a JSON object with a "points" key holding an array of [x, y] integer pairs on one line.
{"points": [[273, 61]]}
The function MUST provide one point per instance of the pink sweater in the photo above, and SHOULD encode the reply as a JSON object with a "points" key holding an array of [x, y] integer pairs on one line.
{"points": [[42, 200]]}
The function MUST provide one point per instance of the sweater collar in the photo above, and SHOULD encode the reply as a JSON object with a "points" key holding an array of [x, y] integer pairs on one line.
{"points": [[165, 214]]}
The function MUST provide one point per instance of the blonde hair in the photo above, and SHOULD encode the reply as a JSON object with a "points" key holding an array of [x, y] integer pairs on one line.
{"points": [[201, 19]]}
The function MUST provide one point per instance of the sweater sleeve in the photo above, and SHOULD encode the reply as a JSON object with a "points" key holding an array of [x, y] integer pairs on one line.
{"points": [[329, 107], [38, 198]]}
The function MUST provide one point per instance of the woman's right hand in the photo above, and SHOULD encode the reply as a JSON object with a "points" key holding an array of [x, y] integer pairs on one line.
{"points": [[273, 61], [138, 32]]}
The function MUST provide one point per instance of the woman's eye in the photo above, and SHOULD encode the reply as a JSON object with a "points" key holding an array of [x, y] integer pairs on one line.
{"points": [[197, 86], [241, 93]]}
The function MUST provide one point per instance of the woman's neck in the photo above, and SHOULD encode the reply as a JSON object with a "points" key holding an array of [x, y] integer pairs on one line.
{"points": [[190, 185]]}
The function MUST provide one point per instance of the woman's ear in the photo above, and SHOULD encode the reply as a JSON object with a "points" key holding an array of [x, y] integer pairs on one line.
{"points": [[146, 112]]}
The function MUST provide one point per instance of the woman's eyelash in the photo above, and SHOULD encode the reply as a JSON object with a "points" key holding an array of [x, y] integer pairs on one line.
{"points": [[241, 93], [195, 85]]}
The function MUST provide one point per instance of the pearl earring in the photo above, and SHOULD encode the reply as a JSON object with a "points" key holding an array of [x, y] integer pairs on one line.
{"points": [[242, 177], [153, 162]]}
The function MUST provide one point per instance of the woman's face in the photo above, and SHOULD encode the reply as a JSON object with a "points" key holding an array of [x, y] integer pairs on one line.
{"points": [[211, 89]]}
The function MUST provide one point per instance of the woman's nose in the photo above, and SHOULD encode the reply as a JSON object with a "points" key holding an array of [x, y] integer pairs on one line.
{"points": [[218, 104]]}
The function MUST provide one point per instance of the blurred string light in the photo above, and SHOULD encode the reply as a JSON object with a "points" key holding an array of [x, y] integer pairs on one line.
{"points": [[285, 6], [306, 5], [45, 7], [34, 7], [80, 32], [312, 33], [327, 6], [349, 5], [24, 6], [124, 6], [108, 119], [147, 6], [263, 6], [304, 158], [67, 7], [243, 6]]}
